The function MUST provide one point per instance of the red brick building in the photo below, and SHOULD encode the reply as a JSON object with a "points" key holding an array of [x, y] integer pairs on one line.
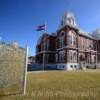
{"points": [[70, 47]]}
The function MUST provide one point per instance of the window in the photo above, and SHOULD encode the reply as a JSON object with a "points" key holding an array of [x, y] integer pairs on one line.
{"points": [[92, 45], [82, 43], [75, 66], [56, 57], [61, 39], [95, 45], [73, 56], [93, 58], [71, 66], [72, 38], [46, 45], [88, 58], [61, 56], [83, 57]]}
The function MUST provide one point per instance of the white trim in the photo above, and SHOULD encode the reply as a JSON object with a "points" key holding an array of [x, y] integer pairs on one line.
{"points": [[62, 48], [45, 52], [67, 66], [26, 61], [67, 47], [52, 65], [67, 25]]}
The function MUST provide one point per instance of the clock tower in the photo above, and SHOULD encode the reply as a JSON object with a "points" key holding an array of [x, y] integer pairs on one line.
{"points": [[68, 19]]}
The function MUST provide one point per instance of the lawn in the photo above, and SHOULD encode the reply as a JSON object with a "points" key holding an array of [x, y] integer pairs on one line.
{"points": [[61, 85]]}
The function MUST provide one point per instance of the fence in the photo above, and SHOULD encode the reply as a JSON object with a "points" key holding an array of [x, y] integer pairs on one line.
{"points": [[12, 69]]}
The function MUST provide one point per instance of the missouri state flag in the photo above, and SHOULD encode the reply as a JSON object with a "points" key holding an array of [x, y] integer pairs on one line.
{"points": [[41, 27]]}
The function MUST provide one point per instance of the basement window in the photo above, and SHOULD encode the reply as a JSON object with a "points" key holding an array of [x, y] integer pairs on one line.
{"points": [[75, 66], [71, 66]]}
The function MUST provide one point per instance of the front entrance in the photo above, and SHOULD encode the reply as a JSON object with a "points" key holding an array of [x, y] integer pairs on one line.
{"points": [[83, 65]]}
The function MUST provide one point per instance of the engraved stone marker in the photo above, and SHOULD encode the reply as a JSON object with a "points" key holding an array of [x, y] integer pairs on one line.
{"points": [[12, 69]]}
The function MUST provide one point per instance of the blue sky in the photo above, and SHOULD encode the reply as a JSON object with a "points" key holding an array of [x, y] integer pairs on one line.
{"points": [[19, 18]]}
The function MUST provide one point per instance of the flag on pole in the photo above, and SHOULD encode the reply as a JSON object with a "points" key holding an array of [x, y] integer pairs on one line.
{"points": [[41, 27]]}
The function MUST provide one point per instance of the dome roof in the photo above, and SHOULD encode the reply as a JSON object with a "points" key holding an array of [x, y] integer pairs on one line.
{"points": [[68, 19], [69, 15]]}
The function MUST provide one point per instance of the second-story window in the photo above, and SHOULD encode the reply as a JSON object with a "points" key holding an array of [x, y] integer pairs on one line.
{"points": [[46, 45], [72, 38], [95, 45], [91, 45], [83, 43], [62, 39]]}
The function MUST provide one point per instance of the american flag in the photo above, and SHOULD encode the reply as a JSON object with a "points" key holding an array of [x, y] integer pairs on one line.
{"points": [[41, 27]]}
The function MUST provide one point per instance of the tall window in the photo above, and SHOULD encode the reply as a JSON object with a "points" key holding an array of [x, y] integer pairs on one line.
{"points": [[56, 56], [72, 38], [73, 56], [93, 58], [61, 39], [46, 45], [83, 43], [95, 45], [61, 56]]}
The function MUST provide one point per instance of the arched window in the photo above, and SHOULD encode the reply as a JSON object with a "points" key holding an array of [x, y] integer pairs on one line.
{"points": [[46, 45], [72, 38], [73, 55], [95, 45], [62, 56], [61, 39]]}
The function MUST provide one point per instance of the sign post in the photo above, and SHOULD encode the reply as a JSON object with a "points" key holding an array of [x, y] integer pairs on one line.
{"points": [[25, 78]]}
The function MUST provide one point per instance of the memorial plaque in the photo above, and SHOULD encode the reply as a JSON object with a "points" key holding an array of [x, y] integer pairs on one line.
{"points": [[12, 69]]}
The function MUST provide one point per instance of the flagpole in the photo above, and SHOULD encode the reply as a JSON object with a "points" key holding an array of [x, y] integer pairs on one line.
{"points": [[44, 48], [43, 27]]}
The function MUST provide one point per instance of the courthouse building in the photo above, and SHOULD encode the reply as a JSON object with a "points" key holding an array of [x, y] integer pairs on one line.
{"points": [[69, 47]]}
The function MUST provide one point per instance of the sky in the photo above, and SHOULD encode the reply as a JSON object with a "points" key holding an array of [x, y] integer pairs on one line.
{"points": [[19, 18]]}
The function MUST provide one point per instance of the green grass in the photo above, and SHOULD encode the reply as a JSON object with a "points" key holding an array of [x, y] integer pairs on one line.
{"points": [[61, 85]]}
